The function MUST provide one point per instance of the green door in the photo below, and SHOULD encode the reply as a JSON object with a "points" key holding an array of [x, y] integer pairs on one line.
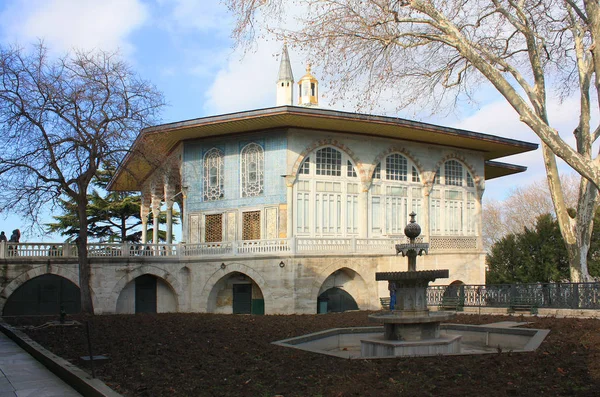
{"points": [[242, 298]]}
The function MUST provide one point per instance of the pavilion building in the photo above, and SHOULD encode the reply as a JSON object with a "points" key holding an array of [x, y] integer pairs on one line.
{"points": [[287, 206]]}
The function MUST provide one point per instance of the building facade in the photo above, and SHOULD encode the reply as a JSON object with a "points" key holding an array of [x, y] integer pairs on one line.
{"points": [[293, 209]]}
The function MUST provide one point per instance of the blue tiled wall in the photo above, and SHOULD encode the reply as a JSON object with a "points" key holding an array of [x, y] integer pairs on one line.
{"points": [[274, 145]]}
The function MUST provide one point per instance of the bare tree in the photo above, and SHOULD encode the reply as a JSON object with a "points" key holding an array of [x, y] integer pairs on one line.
{"points": [[522, 208], [60, 120], [435, 50]]}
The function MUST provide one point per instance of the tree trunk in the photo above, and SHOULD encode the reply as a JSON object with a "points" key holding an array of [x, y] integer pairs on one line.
{"points": [[85, 273], [576, 232]]}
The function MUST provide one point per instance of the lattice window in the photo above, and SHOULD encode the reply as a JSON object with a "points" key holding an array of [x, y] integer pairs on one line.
{"points": [[305, 167], [251, 225], [377, 172], [415, 175], [213, 175], [453, 172], [329, 162], [213, 228], [350, 171], [396, 167], [252, 164]]}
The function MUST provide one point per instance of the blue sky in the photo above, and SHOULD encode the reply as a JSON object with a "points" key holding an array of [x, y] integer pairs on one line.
{"points": [[184, 48]]}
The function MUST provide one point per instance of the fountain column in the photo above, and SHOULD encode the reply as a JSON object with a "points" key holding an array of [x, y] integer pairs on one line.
{"points": [[410, 329]]}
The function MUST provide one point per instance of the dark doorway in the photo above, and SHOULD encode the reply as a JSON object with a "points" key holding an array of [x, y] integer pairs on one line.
{"points": [[145, 294], [242, 298], [337, 300], [44, 294]]}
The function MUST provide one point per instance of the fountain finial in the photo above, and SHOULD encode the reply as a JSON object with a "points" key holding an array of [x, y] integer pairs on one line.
{"points": [[412, 229]]}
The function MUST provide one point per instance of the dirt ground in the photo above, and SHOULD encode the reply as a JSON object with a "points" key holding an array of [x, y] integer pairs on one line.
{"points": [[232, 355]]}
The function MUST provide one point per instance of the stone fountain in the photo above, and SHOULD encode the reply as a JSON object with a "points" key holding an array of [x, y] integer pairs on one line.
{"points": [[410, 328]]}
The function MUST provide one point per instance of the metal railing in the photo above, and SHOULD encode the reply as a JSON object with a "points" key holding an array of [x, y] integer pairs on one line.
{"points": [[303, 245], [543, 295]]}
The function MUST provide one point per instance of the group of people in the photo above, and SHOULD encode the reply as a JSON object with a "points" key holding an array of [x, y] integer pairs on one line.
{"points": [[14, 238]]}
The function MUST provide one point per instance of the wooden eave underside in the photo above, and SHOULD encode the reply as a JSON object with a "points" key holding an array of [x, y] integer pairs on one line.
{"points": [[159, 141]]}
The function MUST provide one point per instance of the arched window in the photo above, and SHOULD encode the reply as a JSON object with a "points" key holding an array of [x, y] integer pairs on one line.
{"points": [[453, 201], [395, 192], [326, 194], [252, 170], [213, 175], [329, 162]]}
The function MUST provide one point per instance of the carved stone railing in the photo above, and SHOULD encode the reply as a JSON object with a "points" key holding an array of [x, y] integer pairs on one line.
{"points": [[291, 246]]}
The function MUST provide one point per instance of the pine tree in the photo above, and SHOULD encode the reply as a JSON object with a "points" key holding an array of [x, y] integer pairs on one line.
{"points": [[112, 216]]}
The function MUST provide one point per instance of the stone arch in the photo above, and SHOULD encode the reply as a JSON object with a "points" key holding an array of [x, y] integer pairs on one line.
{"points": [[455, 156], [329, 142], [340, 265], [400, 150], [169, 278], [40, 271], [232, 268]]}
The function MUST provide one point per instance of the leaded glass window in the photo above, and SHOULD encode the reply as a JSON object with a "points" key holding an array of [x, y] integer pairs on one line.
{"points": [[329, 162], [396, 167], [253, 159], [377, 172], [350, 171], [470, 182], [453, 171], [213, 175], [415, 175], [305, 167]]}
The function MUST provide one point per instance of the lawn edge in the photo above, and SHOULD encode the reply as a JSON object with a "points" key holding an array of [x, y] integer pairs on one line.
{"points": [[69, 373]]}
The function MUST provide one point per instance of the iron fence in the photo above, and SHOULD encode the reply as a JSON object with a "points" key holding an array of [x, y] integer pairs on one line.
{"points": [[544, 295]]}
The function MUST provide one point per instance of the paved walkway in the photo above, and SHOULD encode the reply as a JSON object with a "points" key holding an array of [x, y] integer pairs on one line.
{"points": [[23, 376]]}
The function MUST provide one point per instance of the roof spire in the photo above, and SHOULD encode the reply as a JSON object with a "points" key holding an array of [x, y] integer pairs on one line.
{"points": [[285, 67], [285, 81]]}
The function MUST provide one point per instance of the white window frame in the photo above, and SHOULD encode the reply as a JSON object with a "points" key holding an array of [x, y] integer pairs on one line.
{"points": [[393, 196], [326, 205], [456, 202]]}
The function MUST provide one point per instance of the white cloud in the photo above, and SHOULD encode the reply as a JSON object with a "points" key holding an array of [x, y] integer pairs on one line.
{"points": [[204, 16], [246, 83], [68, 24]]}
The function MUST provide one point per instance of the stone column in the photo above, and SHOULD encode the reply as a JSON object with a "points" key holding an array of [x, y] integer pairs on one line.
{"points": [[289, 183], [144, 212], [425, 212], [155, 215], [363, 210], [480, 184], [169, 193]]}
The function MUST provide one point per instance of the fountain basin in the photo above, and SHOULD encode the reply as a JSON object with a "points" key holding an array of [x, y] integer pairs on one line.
{"points": [[411, 325], [475, 339]]}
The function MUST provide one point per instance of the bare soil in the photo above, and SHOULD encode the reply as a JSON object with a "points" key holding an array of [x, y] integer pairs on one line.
{"points": [[232, 355]]}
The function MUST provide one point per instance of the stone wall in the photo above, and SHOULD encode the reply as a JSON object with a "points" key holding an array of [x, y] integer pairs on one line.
{"points": [[288, 284]]}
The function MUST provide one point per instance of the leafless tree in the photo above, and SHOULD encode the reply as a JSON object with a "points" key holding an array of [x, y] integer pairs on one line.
{"points": [[60, 120], [522, 207], [435, 50]]}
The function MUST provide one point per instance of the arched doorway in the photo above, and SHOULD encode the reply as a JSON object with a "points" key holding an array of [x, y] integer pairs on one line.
{"points": [[342, 290], [45, 294], [147, 294], [236, 293], [335, 300]]}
